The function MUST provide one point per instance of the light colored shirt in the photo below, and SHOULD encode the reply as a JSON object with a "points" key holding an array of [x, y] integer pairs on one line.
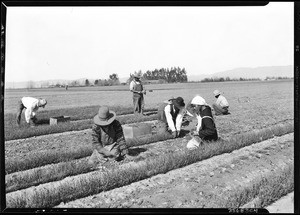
{"points": [[179, 118], [32, 105], [133, 83], [222, 101]]}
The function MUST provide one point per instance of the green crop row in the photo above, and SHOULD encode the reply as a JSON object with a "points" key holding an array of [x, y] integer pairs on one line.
{"points": [[68, 189], [13, 132], [45, 157], [265, 190]]}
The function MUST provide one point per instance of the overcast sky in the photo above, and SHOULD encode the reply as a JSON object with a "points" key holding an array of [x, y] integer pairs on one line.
{"points": [[93, 42]]}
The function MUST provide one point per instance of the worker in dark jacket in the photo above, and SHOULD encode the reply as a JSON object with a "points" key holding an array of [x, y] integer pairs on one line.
{"points": [[170, 115], [206, 128], [107, 137]]}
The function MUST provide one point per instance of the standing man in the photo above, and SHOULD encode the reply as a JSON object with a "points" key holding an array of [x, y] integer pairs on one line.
{"points": [[138, 98], [31, 105], [170, 115], [206, 128], [221, 105], [107, 137]]}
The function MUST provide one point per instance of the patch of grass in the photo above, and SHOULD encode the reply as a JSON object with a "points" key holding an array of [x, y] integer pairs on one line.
{"points": [[51, 194]]}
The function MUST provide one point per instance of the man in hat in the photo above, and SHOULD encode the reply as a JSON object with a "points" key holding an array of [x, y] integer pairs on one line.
{"points": [[206, 128], [170, 115], [107, 137], [137, 89], [31, 105], [221, 105]]}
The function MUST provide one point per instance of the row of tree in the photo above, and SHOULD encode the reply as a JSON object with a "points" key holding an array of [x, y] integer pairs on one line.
{"points": [[112, 80], [173, 75], [217, 79]]}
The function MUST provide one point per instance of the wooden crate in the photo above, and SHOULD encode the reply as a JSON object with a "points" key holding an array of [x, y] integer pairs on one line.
{"points": [[136, 130], [59, 119]]}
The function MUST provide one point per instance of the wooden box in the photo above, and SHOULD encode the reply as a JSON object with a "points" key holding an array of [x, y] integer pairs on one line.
{"points": [[59, 119], [132, 131]]}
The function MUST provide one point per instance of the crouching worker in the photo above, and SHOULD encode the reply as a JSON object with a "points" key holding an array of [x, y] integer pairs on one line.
{"points": [[31, 105], [206, 128], [108, 138], [221, 105], [170, 115]]}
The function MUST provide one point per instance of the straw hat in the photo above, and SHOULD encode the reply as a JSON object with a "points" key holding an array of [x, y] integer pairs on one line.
{"points": [[217, 92], [198, 100], [42, 103], [104, 116]]}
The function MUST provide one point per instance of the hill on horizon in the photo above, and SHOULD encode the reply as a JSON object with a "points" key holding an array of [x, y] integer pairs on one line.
{"points": [[248, 72]]}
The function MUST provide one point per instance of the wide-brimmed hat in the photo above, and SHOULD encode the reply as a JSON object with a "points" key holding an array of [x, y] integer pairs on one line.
{"points": [[178, 102], [42, 102], [104, 116], [198, 100], [217, 92]]}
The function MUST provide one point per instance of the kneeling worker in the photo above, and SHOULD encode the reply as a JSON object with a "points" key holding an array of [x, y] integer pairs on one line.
{"points": [[206, 128], [107, 136], [170, 115], [221, 105], [31, 105]]}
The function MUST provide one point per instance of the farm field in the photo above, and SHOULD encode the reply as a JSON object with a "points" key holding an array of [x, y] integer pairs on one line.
{"points": [[259, 132]]}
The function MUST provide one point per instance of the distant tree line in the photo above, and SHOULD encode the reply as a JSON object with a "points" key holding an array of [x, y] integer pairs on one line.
{"points": [[217, 79], [169, 75], [276, 78], [112, 80], [163, 75]]}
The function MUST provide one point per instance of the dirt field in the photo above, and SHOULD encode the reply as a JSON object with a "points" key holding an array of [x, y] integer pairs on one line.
{"points": [[205, 184], [201, 185]]}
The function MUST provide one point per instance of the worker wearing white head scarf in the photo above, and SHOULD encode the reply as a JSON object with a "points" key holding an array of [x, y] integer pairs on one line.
{"points": [[206, 128]]}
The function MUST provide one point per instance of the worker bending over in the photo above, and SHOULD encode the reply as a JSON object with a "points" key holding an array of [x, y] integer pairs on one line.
{"points": [[31, 105], [221, 105], [170, 115], [107, 137], [206, 128]]}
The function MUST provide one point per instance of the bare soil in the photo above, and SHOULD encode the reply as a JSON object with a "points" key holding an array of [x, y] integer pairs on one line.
{"points": [[204, 184]]}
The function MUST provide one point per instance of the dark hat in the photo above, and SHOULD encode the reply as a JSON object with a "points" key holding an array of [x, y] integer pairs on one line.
{"points": [[179, 102], [136, 76], [104, 116]]}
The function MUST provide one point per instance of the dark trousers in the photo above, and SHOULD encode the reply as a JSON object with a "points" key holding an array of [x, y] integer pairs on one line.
{"points": [[138, 103], [220, 110], [20, 108]]}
